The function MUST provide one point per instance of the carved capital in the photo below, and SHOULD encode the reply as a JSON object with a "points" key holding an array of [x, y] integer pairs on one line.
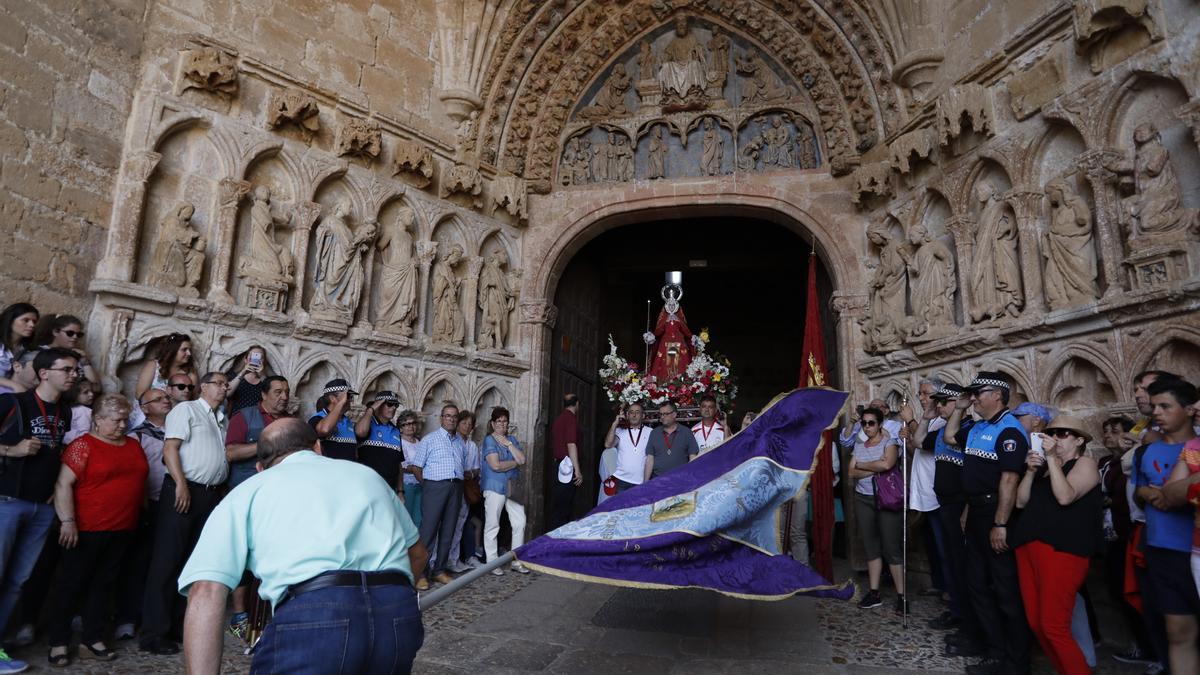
{"points": [[140, 165], [963, 228], [1095, 164], [850, 305], [1027, 204], [474, 265], [306, 215], [426, 251], [539, 312], [230, 191]]}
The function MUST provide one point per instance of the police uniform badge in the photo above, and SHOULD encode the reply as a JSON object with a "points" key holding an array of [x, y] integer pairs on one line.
{"points": [[1009, 446]]}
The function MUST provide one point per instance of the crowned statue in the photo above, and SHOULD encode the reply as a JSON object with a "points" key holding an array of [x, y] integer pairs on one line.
{"points": [[671, 337]]}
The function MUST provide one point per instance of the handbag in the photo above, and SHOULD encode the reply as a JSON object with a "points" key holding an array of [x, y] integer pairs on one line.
{"points": [[471, 490], [889, 488]]}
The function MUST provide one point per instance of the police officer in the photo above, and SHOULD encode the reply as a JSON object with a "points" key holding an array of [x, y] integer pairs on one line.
{"points": [[312, 528], [993, 452]]}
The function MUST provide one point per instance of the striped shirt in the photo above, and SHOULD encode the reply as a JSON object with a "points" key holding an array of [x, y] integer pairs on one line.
{"points": [[440, 456]]}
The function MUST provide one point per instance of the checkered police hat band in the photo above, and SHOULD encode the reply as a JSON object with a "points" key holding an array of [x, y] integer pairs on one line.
{"points": [[981, 382]]}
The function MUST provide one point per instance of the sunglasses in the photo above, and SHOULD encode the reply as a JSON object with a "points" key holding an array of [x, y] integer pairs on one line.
{"points": [[1061, 433], [184, 387], [390, 404], [72, 333], [870, 423]]}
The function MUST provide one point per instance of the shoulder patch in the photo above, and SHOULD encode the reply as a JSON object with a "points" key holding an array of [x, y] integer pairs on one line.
{"points": [[1009, 446]]}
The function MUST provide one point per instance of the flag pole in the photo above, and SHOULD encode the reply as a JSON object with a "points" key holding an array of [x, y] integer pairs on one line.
{"points": [[646, 354]]}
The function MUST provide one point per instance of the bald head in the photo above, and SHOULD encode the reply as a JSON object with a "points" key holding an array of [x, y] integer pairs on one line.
{"points": [[283, 437], [878, 403]]}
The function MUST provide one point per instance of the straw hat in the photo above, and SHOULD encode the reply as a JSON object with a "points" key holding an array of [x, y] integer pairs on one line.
{"points": [[1072, 424]]}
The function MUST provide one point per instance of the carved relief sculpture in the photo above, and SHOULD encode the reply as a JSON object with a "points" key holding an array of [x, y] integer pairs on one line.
{"points": [[266, 264], [360, 138], [995, 271], [1154, 207], [620, 159], [601, 155], [806, 148], [647, 63], [414, 161], [712, 150], [887, 292], [681, 73], [448, 323], [779, 141], [339, 278], [1070, 276], [209, 70], [496, 301], [179, 253], [718, 63], [294, 107], [576, 166], [398, 278], [749, 153], [610, 102], [758, 83], [931, 275], [874, 178], [656, 158], [465, 180]]}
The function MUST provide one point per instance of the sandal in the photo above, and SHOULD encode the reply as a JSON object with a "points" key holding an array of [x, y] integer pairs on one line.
{"points": [[58, 660], [102, 654]]}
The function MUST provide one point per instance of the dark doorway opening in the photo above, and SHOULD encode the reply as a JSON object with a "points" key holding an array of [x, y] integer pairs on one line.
{"points": [[744, 279]]}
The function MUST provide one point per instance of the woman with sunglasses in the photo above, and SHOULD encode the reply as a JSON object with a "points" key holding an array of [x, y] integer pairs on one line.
{"points": [[65, 332], [1058, 531], [876, 452], [168, 356], [17, 323]]}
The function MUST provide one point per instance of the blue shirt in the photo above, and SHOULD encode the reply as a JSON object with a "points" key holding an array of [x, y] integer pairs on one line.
{"points": [[342, 442], [1164, 529], [990, 449], [382, 451], [440, 456], [489, 478], [302, 517]]}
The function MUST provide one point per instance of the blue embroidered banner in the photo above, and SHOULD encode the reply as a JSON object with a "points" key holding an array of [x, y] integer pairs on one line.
{"points": [[716, 522]]}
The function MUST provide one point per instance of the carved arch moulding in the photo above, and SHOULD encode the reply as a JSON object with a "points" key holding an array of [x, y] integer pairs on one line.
{"points": [[833, 53]]}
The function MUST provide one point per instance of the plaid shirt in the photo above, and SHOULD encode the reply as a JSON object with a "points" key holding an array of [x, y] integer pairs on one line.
{"points": [[440, 456]]}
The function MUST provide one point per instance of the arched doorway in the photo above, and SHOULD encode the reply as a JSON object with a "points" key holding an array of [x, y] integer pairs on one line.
{"points": [[744, 279]]}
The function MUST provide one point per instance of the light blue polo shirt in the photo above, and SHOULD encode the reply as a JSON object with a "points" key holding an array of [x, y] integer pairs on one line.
{"points": [[304, 516]]}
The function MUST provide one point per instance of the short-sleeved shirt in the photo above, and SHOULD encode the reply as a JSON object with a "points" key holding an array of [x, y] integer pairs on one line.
{"points": [[1171, 529], [708, 437], [564, 430], [947, 475], [202, 431], [991, 448], [870, 453], [924, 466], [22, 416], [110, 482], [440, 456], [342, 442], [302, 517], [670, 450], [631, 454], [150, 437], [410, 451], [381, 450], [471, 457], [490, 479]]}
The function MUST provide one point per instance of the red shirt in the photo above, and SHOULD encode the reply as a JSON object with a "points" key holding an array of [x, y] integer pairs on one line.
{"points": [[238, 428], [110, 483], [564, 431]]}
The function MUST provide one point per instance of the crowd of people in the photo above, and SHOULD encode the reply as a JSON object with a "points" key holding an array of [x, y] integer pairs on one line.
{"points": [[104, 496], [1017, 502]]}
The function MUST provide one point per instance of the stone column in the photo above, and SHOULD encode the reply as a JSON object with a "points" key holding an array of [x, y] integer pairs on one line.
{"points": [[1027, 205], [470, 297], [120, 255], [1190, 114], [850, 309], [1094, 164], [426, 252], [537, 334], [302, 224], [229, 194], [963, 229]]}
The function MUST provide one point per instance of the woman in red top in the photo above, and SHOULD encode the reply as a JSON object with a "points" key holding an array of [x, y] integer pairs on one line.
{"points": [[99, 492]]}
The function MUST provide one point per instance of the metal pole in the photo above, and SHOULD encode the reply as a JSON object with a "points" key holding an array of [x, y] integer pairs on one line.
{"points": [[427, 600], [904, 525], [646, 355]]}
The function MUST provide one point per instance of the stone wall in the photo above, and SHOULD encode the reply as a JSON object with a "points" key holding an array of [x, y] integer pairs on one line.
{"points": [[68, 71]]}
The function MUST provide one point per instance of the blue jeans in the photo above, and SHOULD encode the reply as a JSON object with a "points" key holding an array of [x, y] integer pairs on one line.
{"points": [[343, 629], [23, 528], [412, 502]]}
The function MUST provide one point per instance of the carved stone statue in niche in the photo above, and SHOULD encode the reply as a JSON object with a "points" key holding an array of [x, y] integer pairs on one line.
{"points": [[806, 147], [758, 83], [995, 271], [496, 301], [681, 74], [620, 162], [1154, 207], [1070, 277], [931, 275], [339, 278], [398, 276], [752, 150], [718, 63], [647, 63], [576, 167], [887, 292], [601, 156], [656, 159], [610, 102], [779, 144], [712, 150], [265, 260], [179, 253], [448, 323]]}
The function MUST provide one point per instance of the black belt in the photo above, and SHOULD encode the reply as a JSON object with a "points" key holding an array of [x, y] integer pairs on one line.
{"points": [[983, 500], [191, 484], [346, 578]]}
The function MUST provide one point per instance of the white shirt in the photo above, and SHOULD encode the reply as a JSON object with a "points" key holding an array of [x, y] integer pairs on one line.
{"points": [[921, 496], [631, 454], [715, 435], [202, 431]]}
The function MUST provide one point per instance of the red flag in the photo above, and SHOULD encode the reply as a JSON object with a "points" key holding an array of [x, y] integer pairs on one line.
{"points": [[813, 373]]}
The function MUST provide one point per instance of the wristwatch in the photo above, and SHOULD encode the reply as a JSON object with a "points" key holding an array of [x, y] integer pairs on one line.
{"points": [[1001, 525]]}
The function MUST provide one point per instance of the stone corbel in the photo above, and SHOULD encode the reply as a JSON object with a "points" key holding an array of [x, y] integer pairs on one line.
{"points": [[1028, 207], [1095, 165], [126, 226], [230, 193], [538, 312], [872, 179], [470, 296], [303, 219]]}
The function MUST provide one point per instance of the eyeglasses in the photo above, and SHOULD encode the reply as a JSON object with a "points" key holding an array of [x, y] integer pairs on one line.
{"points": [[1061, 433], [152, 401], [184, 387], [69, 370], [72, 333], [408, 424], [870, 423]]}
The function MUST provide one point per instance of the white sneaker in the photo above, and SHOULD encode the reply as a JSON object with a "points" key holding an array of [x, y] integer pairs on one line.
{"points": [[498, 571], [470, 562], [518, 567], [24, 637], [124, 632]]}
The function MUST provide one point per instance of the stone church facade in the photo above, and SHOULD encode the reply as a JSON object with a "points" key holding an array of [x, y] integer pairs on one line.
{"points": [[390, 191]]}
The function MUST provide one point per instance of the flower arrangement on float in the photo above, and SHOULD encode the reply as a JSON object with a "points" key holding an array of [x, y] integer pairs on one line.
{"points": [[708, 373]]}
